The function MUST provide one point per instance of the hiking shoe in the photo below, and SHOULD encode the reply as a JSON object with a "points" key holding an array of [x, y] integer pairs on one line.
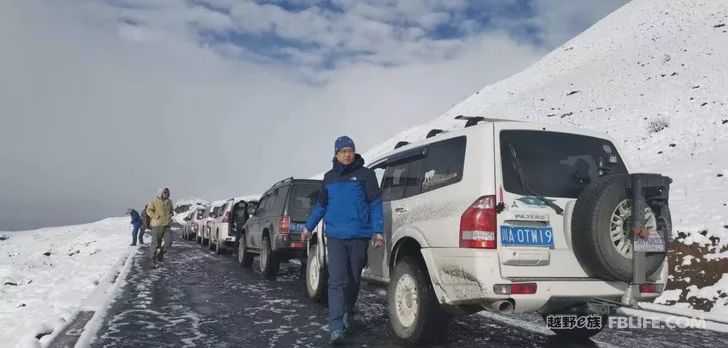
{"points": [[160, 256], [337, 337]]}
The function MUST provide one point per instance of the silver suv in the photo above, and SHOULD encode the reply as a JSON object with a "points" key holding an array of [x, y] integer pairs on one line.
{"points": [[274, 229]]}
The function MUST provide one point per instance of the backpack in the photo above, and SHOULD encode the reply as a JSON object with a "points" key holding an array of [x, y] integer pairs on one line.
{"points": [[145, 218]]}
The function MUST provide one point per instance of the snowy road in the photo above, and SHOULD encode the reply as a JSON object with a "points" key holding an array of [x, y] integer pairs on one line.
{"points": [[200, 299]]}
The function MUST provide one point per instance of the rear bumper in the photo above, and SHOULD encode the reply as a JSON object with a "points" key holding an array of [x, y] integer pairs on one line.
{"points": [[290, 245], [466, 277]]}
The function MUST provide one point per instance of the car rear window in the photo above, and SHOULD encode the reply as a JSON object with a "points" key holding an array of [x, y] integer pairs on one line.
{"points": [[554, 164], [302, 201]]}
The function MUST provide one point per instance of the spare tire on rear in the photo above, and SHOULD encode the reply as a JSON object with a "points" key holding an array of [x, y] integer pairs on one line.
{"points": [[601, 229]]}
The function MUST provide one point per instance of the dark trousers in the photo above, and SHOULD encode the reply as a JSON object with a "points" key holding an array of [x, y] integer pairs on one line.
{"points": [[347, 258], [137, 232]]}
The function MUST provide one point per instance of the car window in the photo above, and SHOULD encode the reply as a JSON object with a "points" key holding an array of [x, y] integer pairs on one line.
{"points": [[379, 172], [443, 164], [270, 198], [280, 199], [302, 201], [252, 205], [554, 164], [260, 209], [403, 179]]}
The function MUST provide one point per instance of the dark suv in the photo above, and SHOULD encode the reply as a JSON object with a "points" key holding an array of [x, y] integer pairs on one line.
{"points": [[273, 231]]}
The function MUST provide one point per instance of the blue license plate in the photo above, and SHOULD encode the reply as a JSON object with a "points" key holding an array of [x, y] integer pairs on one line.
{"points": [[296, 227], [527, 236]]}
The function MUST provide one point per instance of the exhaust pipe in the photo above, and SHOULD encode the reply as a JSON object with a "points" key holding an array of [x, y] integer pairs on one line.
{"points": [[501, 306]]}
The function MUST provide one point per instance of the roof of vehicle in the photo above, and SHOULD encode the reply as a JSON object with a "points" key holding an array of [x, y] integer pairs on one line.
{"points": [[291, 180], [487, 122]]}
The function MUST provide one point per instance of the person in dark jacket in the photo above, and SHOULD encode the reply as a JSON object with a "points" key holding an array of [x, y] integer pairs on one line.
{"points": [[351, 208], [240, 217], [136, 224], [145, 219]]}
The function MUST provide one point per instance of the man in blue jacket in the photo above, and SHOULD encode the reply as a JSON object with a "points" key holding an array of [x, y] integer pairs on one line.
{"points": [[351, 207]]}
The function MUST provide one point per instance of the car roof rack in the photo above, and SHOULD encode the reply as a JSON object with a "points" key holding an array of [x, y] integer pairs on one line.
{"points": [[473, 120], [284, 181], [470, 120], [400, 144], [434, 132]]}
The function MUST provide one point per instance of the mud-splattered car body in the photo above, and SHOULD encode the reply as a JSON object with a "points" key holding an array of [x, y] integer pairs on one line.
{"points": [[485, 213]]}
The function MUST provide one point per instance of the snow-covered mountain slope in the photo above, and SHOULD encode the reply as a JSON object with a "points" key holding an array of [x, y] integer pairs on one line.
{"points": [[653, 75]]}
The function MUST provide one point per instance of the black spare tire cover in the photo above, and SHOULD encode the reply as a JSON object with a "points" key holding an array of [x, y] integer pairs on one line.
{"points": [[591, 229]]}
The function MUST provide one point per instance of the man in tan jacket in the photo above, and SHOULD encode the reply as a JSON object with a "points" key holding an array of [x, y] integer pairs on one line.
{"points": [[160, 213]]}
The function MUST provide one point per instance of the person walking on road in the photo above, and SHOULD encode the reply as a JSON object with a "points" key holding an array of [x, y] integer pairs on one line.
{"points": [[136, 224], [351, 207], [159, 210]]}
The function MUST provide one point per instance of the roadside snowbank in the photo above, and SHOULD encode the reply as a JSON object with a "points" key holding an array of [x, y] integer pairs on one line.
{"points": [[46, 275]]}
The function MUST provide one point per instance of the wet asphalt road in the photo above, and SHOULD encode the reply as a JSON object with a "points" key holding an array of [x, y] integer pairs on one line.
{"points": [[198, 298]]}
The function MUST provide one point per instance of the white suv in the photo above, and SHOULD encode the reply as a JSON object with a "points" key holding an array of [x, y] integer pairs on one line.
{"points": [[203, 233], [510, 217], [192, 221], [220, 233]]}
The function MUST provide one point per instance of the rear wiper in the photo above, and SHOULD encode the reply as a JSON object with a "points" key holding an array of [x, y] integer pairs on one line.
{"points": [[524, 183]]}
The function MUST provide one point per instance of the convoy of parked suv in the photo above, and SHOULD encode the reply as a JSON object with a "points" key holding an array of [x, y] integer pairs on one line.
{"points": [[500, 215]]}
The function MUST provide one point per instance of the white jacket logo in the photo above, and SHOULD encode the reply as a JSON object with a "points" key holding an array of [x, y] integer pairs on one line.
{"points": [[353, 178]]}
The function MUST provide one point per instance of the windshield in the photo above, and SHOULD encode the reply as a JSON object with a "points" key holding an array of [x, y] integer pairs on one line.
{"points": [[554, 164], [302, 201]]}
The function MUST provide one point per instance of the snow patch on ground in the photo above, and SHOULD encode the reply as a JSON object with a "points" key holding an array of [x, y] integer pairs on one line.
{"points": [[46, 274], [669, 295], [687, 259], [716, 293]]}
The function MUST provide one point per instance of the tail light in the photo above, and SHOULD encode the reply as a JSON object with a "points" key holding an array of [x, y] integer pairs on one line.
{"points": [[478, 224], [515, 289], [226, 217], [648, 288], [284, 223]]}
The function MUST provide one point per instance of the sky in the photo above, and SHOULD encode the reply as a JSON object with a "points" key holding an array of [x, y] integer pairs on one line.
{"points": [[102, 102]]}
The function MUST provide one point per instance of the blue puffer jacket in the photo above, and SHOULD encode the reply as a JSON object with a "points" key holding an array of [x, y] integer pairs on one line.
{"points": [[349, 202], [136, 220]]}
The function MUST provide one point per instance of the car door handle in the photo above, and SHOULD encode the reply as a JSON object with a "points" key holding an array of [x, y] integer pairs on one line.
{"points": [[400, 210]]}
